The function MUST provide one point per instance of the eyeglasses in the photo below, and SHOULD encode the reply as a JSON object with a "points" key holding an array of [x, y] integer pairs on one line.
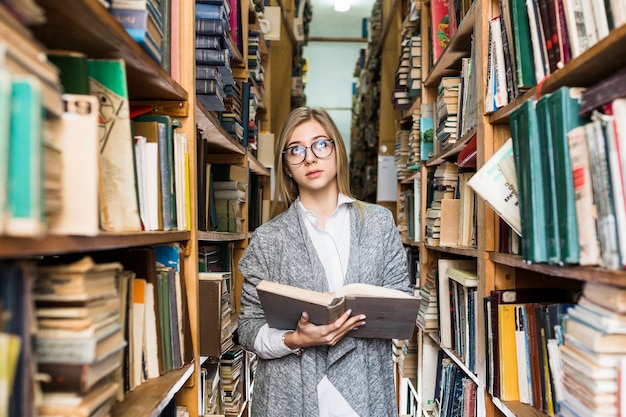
{"points": [[321, 148]]}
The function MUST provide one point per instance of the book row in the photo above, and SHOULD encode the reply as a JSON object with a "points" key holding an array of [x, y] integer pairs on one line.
{"points": [[101, 325]]}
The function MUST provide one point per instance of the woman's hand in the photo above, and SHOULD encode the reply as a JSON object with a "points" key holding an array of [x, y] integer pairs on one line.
{"points": [[308, 334]]}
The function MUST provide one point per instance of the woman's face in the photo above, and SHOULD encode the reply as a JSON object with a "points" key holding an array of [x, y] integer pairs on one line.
{"points": [[314, 173]]}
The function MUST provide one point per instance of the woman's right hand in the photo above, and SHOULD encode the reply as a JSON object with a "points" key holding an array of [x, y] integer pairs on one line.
{"points": [[308, 334]]}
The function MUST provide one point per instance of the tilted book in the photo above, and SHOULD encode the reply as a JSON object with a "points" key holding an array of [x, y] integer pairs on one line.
{"points": [[119, 208], [390, 313]]}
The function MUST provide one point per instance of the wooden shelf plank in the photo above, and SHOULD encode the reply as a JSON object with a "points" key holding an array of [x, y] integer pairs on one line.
{"points": [[13, 247], [89, 28], [218, 139], [581, 273], [470, 252], [150, 398], [220, 236]]}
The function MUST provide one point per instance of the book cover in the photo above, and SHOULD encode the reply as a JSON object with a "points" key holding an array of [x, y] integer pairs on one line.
{"points": [[525, 75], [79, 142], [509, 390], [73, 72], [547, 165], [440, 27], [490, 183], [584, 204], [83, 405], [119, 208], [532, 205], [79, 378], [390, 313], [563, 105], [25, 200]]}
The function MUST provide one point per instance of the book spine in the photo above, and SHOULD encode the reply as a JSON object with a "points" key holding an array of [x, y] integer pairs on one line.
{"points": [[209, 27], [209, 42], [25, 199], [211, 56]]}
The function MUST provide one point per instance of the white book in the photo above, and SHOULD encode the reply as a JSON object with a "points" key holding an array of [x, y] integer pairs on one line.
{"points": [[586, 212], [600, 19], [150, 340], [524, 380], [575, 22], [490, 183]]}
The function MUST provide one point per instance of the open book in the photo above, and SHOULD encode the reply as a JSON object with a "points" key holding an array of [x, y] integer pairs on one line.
{"points": [[390, 313]]}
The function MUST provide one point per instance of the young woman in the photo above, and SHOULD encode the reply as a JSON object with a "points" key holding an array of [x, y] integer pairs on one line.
{"points": [[319, 238]]}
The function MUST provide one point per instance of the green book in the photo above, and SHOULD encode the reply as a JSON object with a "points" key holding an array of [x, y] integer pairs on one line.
{"points": [[163, 296], [119, 208], [563, 106], [525, 134], [25, 199], [524, 67], [546, 156], [74, 72]]}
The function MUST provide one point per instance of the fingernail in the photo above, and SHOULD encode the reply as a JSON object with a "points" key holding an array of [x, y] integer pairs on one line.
{"points": [[363, 317], [302, 314], [350, 311]]}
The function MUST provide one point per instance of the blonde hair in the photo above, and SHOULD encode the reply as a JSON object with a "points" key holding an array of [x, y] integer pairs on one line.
{"points": [[286, 188]]}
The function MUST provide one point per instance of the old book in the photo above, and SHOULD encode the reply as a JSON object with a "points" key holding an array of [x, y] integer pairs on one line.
{"points": [[594, 339], [608, 296], [80, 150], [79, 378], [586, 213], [531, 180], [390, 314], [80, 350], [563, 106], [78, 405], [119, 209], [25, 204], [490, 184]]}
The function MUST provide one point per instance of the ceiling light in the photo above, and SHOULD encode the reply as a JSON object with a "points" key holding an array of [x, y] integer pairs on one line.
{"points": [[342, 5]]}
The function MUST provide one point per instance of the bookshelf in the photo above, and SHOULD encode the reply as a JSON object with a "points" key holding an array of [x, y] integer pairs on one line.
{"points": [[500, 266], [88, 28]]}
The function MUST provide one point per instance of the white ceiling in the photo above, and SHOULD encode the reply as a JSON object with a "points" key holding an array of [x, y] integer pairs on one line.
{"points": [[329, 23]]}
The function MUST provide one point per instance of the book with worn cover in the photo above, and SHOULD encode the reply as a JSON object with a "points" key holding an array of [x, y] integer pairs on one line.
{"points": [[119, 208], [390, 314]]}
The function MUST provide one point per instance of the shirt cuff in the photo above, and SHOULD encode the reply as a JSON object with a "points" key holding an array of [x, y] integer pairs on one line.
{"points": [[269, 343]]}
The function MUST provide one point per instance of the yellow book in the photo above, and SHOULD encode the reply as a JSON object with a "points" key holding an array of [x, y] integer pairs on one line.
{"points": [[509, 389]]}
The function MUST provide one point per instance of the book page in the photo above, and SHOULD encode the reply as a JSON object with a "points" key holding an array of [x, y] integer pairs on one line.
{"points": [[368, 290]]}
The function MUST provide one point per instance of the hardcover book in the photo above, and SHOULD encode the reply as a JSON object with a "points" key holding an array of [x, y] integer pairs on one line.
{"points": [[390, 314]]}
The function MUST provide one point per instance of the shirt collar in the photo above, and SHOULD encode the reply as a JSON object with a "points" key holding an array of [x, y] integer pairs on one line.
{"points": [[342, 199]]}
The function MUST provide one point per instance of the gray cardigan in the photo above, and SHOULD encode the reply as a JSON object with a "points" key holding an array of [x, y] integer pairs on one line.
{"points": [[361, 369]]}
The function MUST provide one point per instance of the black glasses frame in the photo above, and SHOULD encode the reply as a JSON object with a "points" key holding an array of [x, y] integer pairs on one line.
{"points": [[311, 147]]}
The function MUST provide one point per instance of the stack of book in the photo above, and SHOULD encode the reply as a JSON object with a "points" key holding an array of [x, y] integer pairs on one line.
{"points": [[144, 23], [230, 183], [444, 184], [446, 111], [232, 117], [213, 70], [400, 96], [414, 81], [231, 367], [414, 159], [593, 352], [401, 153], [428, 316], [80, 336]]}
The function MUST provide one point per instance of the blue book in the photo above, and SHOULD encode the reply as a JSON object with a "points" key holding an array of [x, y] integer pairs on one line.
{"points": [[25, 200], [209, 11]]}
